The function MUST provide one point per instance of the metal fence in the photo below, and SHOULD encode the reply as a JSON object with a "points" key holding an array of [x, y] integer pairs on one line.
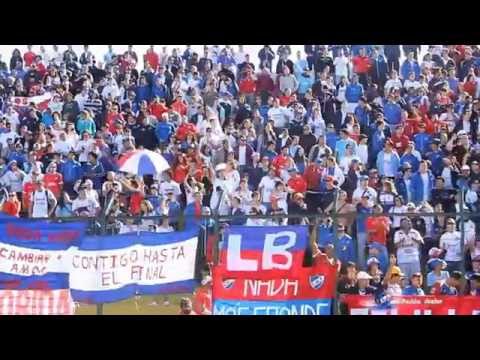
{"points": [[106, 226]]}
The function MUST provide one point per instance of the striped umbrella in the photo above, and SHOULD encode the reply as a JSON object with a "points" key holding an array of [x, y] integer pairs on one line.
{"points": [[143, 162]]}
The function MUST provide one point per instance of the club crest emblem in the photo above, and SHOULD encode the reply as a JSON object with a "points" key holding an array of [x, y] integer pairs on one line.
{"points": [[316, 281], [228, 283]]}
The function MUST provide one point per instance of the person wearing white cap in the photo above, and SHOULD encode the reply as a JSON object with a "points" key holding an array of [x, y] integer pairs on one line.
{"points": [[363, 285]]}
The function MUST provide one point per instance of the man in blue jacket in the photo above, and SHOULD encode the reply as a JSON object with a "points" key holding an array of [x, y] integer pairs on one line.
{"points": [[422, 140], [435, 156], [142, 91], [164, 130], [392, 112], [363, 112], [353, 93], [403, 183], [410, 65], [94, 170], [345, 246], [379, 70], [411, 156], [71, 171], [422, 184], [388, 161]]}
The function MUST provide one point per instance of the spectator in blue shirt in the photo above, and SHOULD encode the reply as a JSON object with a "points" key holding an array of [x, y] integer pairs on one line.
{"points": [[142, 91], [164, 130], [435, 156], [47, 117], [341, 145], [410, 65], [422, 184], [71, 171], [354, 90], [345, 246], [452, 284], [422, 140], [363, 112], [325, 233], [415, 287], [392, 111], [94, 170], [411, 156]]}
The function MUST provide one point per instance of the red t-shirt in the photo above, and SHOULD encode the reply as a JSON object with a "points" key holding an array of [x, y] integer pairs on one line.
{"points": [[179, 173], [135, 201], [312, 176], [157, 109], [185, 129], [400, 143], [285, 100], [202, 300], [28, 189], [54, 183], [379, 226], [247, 86], [470, 88], [361, 64], [180, 107], [28, 57], [12, 208], [151, 57], [280, 162], [297, 183]]}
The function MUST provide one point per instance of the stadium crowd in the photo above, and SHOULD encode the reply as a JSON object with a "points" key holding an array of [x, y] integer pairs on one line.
{"points": [[366, 132]]}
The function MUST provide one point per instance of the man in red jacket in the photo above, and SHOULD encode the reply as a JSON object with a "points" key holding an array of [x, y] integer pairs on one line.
{"points": [[29, 56], [184, 129], [400, 140], [313, 174], [296, 183], [361, 66], [281, 161], [158, 107], [265, 84], [179, 105], [151, 57], [248, 86]]}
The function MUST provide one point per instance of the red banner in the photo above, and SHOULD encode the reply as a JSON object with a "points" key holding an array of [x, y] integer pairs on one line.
{"points": [[414, 305], [36, 302]]}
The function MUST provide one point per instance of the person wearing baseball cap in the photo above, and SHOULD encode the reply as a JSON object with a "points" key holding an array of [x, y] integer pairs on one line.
{"points": [[363, 286], [415, 287]]}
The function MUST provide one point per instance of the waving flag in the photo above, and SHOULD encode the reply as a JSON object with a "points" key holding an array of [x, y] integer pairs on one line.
{"points": [[40, 101]]}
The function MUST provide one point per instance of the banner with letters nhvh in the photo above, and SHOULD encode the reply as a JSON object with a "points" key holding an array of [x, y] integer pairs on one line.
{"points": [[414, 305], [112, 268], [261, 272]]}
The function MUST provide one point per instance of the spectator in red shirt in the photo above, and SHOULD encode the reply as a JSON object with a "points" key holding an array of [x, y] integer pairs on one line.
{"points": [[378, 227], [151, 57], [12, 206], [202, 301], [282, 161], [286, 98], [53, 180], [265, 84], [470, 85], [313, 174], [184, 129], [361, 66], [29, 56], [248, 86], [179, 105], [28, 188], [400, 140], [158, 107], [296, 183]]}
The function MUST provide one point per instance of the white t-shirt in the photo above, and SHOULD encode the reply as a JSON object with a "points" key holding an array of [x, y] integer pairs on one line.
{"points": [[397, 218], [341, 66], [242, 155], [40, 200], [362, 152], [425, 186], [165, 187], [280, 116], [84, 147], [407, 246], [451, 241], [345, 162], [5, 136], [88, 204], [267, 184], [358, 193], [393, 84]]}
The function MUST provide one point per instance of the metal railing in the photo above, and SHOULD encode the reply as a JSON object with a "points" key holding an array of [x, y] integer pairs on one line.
{"points": [[101, 226]]}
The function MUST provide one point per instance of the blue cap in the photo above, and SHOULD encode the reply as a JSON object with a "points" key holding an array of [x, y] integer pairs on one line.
{"points": [[433, 263]]}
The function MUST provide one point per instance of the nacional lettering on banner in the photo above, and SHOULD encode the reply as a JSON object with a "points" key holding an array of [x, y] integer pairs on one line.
{"points": [[113, 268], [414, 305], [36, 302], [261, 272]]}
